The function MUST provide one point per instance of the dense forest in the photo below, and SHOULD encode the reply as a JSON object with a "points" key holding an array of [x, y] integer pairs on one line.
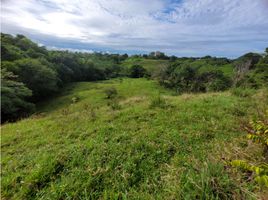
{"points": [[30, 73]]}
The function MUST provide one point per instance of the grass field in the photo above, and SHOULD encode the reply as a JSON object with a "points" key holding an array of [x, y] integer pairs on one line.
{"points": [[147, 143]]}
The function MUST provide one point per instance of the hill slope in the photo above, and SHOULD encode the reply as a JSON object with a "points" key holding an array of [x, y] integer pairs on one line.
{"points": [[140, 145]]}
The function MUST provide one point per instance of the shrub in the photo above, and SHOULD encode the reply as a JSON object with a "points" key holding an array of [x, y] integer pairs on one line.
{"points": [[137, 71], [111, 93], [260, 171]]}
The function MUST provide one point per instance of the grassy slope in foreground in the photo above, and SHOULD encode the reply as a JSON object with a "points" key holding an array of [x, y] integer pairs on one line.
{"points": [[88, 150]]}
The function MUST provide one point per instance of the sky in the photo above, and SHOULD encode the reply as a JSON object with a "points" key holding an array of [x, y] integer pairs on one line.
{"points": [[224, 28]]}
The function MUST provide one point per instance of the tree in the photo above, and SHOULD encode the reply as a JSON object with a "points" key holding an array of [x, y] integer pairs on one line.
{"points": [[184, 78], [212, 80], [137, 71], [11, 53], [14, 97], [172, 58], [36, 76]]}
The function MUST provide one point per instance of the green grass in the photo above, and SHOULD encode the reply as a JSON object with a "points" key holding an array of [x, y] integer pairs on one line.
{"points": [[150, 64], [87, 150], [153, 65]]}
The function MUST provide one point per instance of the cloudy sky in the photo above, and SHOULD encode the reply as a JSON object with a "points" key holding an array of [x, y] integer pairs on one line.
{"points": [[179, 27]]}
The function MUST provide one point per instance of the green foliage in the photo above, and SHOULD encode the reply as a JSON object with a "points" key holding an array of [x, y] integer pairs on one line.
{"points": [[215, 74], [110, 92], [252, 71], [41, 79], [137, 71], [14, 96], [260, 171], [213, 81], [259, 132], [45, 72], [11, 53], [185, 78]]}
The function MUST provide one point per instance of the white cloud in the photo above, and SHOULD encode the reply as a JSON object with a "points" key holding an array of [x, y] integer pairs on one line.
{"points": [[70, 49], [179, 27]]}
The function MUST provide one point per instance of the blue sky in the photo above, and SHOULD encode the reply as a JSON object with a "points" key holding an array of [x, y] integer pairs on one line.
{"points": [[183, 27]]}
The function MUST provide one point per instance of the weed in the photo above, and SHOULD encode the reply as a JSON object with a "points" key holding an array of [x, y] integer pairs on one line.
{"points": [[158, 101], [91, 110], [208, 182], [243, 92], [65, 111], [75, 100], [114, 104]]}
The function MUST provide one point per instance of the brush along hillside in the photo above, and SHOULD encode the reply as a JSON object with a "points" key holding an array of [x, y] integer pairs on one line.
{"points": [[132, 139]]}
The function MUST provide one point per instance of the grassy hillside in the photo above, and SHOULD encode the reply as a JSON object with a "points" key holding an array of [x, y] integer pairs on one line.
{"points": [[145, 144], [153, 65], [150, 64]]}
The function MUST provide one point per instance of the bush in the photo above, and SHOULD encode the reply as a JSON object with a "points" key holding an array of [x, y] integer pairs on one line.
{"points": [[186, 77], [110, 93], [137, 71]]}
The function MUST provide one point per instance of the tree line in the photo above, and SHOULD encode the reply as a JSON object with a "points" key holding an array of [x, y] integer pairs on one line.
{"points": [[216, 74], [30, 73]]}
